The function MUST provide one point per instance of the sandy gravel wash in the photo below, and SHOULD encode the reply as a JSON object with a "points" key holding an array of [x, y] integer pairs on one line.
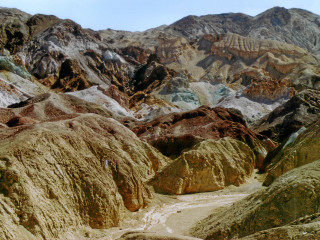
{"points": [[177, 214]]}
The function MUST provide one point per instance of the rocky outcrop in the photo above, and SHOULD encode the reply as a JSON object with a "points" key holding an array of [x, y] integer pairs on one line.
{"points": [[16, 82], [175, 132], [260, 65], [269, 90], [208, 166], [14, 32], [301, 110], [153, 236], [293, 195], [71, 173], [67, 57], [301, 148], [150, 76], [71, 77], [232, 45]]}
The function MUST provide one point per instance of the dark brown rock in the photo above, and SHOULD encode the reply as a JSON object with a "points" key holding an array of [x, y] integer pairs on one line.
{"points": [[175, 132], [298, 150], [301, 110]]}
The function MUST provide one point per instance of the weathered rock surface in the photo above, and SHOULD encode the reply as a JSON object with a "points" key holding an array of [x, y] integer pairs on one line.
{"points": [[17, 84], [14, 32], [300, 149], [209, 166], [69, 173], [154, 236], [250, 55], [293, 195], [68, 58], [265, 73], [178, 131], [65, 57], [309, 231], [301, 110]]}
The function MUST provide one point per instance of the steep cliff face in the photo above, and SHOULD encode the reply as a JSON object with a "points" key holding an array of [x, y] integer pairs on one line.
{"points": [[208, 166], [293, 195], [70, 173]]}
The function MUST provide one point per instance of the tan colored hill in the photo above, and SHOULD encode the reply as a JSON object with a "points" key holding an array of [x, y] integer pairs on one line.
{"points": [[293, 195], [67, 174], [208, 166]]}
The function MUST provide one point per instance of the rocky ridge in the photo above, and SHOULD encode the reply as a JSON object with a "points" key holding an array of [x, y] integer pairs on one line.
{"points": [[176, 132], [280, 24], [303, 109]]}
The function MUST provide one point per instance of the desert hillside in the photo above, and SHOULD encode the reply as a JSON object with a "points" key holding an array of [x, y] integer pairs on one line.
{"points": [[208, 128]]}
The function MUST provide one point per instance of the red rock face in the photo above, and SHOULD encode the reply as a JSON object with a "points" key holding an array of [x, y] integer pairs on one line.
{"points": [[175, 132], [268, 90], [120, 97], [48, 107], [138, 54]]}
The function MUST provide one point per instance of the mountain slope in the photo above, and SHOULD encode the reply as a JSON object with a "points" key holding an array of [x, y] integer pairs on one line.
{"points": [[294, 26]]}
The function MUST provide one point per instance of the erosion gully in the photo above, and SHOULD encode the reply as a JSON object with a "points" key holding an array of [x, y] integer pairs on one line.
{"points": [[179, 213]]}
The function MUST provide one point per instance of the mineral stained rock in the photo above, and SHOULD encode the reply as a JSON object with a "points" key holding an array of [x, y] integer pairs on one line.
{"points": [[301, 110], [298, 150], [178, 131]]}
